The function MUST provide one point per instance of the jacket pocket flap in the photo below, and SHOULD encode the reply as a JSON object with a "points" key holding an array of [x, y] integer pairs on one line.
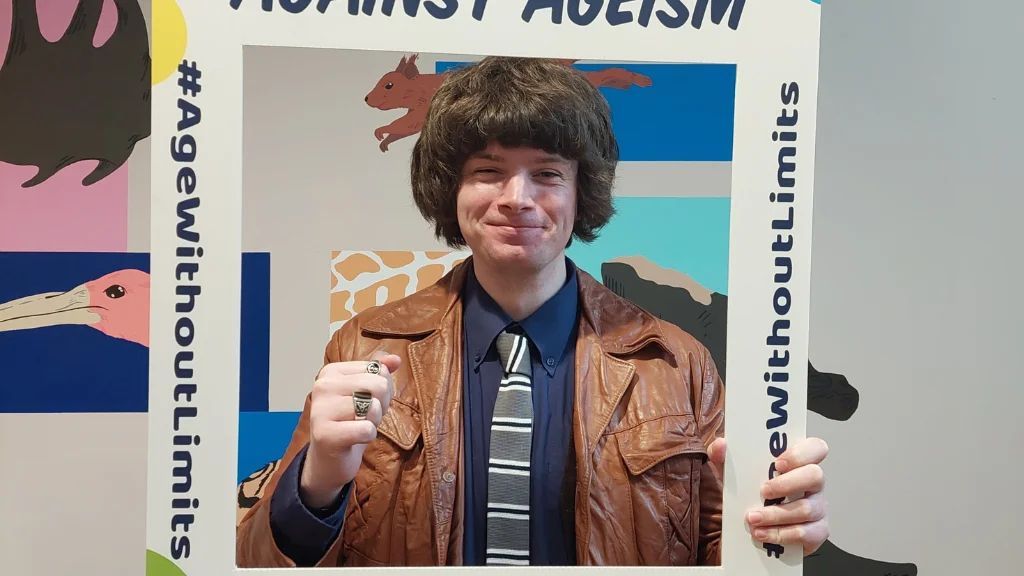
{"points": [[651, 442], [401, 425]]}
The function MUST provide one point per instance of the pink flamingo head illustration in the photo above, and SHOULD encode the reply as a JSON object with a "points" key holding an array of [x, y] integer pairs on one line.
{"points": [[116, 304]]}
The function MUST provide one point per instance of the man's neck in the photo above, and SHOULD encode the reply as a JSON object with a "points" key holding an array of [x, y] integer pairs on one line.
{"points": [[520, 295]]}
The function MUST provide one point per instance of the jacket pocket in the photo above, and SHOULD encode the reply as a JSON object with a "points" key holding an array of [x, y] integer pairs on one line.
{"points": [[370, 535], [401, 425], [663, 459]]}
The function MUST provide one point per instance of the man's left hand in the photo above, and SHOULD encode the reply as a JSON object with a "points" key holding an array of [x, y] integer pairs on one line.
{"points": [[804, 518]]}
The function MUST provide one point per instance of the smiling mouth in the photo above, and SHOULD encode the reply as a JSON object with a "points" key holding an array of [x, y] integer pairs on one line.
{"points": [[516, 226]]}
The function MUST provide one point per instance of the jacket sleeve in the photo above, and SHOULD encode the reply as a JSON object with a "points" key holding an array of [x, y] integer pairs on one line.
{"points": [[301, 533], [255, 543], [711, 404]]}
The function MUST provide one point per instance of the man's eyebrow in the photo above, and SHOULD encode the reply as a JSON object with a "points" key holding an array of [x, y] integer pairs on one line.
{"points": [[551, 160], [488, 156]]}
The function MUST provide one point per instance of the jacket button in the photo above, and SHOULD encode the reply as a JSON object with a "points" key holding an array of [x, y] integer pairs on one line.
{"points": [[448, 477]]}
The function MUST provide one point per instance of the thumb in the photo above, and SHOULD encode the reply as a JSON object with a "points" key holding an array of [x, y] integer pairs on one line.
{"points": [[391, 361], [716, 451]]}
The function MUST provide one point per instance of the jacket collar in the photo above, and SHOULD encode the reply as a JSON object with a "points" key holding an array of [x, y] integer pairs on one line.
{"points": [[621, 326]]}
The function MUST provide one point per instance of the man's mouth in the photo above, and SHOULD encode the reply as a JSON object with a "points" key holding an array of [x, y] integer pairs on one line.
{"points": [[516, 226]]}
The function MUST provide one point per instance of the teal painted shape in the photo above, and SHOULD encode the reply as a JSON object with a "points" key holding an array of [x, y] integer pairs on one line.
{"points": [[690, 235]]}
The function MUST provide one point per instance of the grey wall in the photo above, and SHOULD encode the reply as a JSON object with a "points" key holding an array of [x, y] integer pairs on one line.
{"points": [[916, 274]]}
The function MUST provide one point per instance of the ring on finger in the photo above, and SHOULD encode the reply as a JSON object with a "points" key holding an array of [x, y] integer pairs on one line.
{"points": [[361, 402], [373, 367]]}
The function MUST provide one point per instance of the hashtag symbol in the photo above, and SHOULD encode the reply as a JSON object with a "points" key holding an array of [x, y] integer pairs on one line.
{"points": [[190, 76]]}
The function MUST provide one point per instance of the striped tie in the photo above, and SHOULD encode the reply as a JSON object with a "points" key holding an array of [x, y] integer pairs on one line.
{"points": [[508, 479]]}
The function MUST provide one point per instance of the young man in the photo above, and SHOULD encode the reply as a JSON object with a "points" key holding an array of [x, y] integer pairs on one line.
{"points": [[517, 411]]}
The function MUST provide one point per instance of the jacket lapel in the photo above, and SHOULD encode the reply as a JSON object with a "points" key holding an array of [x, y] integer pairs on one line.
{"points": [[609, 326], [435, 369], [435, 365]]}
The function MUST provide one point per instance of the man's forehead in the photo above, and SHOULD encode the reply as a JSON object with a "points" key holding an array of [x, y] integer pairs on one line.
{"points": [[497, 153]]}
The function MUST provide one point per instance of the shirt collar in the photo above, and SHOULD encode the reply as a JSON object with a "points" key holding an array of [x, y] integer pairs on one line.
{"points": [[549, 328]]}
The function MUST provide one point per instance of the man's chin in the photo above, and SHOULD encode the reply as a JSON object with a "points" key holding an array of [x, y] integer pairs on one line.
{"points": [[517, 256]]}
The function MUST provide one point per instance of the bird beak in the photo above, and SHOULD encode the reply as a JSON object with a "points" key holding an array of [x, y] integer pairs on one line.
{"points": [[49, 309]]}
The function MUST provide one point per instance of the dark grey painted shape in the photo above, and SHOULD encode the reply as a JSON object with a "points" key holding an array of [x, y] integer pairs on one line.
{"points": [[64, 102]]}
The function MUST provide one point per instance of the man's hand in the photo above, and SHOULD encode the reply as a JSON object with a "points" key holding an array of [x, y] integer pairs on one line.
{"points": [[804, 519], [337, 438]]}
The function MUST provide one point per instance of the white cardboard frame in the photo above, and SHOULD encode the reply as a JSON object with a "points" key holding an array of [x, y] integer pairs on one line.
{"points": [[775, 44]]}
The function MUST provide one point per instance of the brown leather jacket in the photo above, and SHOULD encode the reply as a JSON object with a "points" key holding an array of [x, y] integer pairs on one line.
{"points": [[648, 403]]}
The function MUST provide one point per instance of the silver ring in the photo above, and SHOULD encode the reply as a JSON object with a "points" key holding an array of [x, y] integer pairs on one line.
{"points": [[361, 402], [373, 367]]}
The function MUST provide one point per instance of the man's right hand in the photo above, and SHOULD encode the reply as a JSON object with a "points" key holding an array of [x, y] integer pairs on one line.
{"points": [[337, 438]]}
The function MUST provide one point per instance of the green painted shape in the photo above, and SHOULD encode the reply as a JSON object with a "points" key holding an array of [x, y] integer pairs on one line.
{"points": [[157, 565]]}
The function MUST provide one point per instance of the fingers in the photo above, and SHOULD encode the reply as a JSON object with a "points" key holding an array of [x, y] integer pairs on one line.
{"points": [[803, 453], [339, 435], [342, 409], [391, 361], [810, 535], [801, 479], [378, 386], [805, 480], [810, 509], [340, 371], [354, 367], [333, 422]]}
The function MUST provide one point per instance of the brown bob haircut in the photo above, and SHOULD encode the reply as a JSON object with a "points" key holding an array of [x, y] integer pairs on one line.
{"points": [[516, 102]]}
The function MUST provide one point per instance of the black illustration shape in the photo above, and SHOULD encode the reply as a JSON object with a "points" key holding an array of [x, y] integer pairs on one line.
{"points": [[831, 393], [831, 560], [676, 298], [66, 101], [702, 313], [252, 488]]}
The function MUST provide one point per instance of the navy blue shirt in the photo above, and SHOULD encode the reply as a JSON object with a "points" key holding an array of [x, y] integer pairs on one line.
{"points": [[304, 535]]}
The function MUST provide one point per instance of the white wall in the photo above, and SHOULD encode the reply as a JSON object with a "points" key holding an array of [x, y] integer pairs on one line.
{"points": [[916, 273]]}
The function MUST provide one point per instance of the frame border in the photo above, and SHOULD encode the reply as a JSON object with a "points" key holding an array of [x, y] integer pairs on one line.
{"points": [[774, 46]]}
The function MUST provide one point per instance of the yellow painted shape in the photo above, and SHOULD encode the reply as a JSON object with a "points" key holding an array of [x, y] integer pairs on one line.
{"points": [[170, 35]]}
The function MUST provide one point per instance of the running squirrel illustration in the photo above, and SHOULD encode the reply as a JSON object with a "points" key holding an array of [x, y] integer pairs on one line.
{"points": [[405, 87]]}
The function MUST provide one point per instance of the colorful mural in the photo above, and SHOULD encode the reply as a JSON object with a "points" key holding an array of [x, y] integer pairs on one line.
{"points": [[75, 80]]}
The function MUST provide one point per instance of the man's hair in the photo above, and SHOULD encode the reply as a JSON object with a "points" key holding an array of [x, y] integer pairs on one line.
{"points": [[516, 102]]}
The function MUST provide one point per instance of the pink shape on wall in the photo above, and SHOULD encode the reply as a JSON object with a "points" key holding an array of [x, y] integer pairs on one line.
{"points": [[6, 17], [61, 215]]}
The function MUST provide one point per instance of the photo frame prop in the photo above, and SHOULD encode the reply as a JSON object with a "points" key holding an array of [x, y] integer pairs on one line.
{"points": [[199, 196]]}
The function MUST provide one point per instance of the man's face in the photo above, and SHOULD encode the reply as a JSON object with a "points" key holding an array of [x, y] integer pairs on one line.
{"points": [[517, 206]]}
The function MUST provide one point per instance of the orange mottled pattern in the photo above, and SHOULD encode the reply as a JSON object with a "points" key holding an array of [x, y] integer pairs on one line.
{"points": [[338, 301], [394, 288], [355, 265], [361, 280]]}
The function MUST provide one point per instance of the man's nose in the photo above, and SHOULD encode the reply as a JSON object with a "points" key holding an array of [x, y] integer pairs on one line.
{"points": [[518, 192]]}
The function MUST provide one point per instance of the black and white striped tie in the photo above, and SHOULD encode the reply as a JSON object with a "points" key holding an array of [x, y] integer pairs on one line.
{"points": [[508, 479]]}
